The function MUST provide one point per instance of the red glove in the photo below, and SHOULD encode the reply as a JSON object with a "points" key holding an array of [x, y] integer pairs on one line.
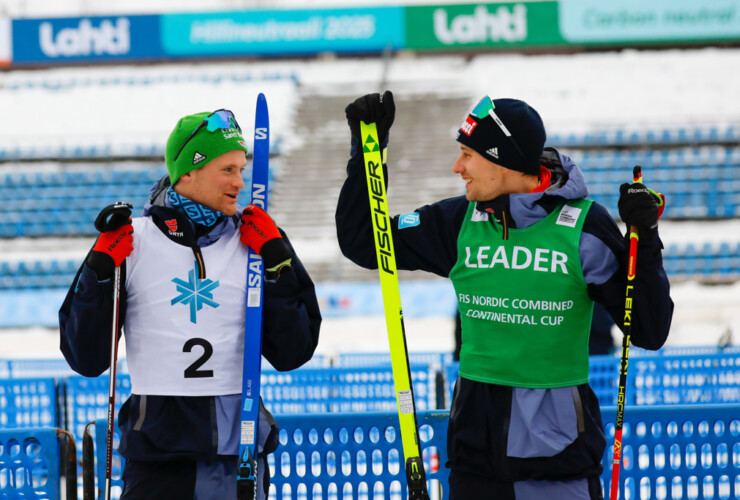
{"points": [[257, 228], [115, 241], [259, 232], [116, 244]]}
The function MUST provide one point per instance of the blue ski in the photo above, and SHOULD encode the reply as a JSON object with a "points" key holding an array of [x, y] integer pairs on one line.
{"points": [[247, 469]]}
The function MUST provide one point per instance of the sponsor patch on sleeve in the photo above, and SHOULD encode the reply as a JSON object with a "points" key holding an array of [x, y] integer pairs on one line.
{"points": [[568, 216], [408, 220]]}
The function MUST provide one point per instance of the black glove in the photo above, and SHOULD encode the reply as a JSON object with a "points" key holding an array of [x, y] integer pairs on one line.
{"points": [[638, 207], [372, 108]]}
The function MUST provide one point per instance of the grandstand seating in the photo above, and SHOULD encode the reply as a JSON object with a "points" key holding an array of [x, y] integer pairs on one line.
{"points": [[697, 167], [665, 136], [71, 198], [697, 182]]}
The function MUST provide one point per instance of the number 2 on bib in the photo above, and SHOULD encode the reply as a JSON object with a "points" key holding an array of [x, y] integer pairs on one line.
{"points": [[193, 371]]}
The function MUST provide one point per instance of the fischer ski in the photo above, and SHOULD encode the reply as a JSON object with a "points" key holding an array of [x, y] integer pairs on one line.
{"points": [[246, 479], [415, 475]]}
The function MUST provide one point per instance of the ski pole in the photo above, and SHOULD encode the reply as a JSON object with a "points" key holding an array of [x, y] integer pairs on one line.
{"points": [[110, 219], [415, 476], [627, 330]]}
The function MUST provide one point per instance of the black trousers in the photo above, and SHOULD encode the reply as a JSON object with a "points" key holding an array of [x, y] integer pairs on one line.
{"points": [[187, 479], [159, 480]]}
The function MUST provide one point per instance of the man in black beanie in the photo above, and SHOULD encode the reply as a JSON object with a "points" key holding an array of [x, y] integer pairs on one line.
{"points": [[528, 256]]}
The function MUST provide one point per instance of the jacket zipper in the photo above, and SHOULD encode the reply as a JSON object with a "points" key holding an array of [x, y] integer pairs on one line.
{"points": [[199, 261]]}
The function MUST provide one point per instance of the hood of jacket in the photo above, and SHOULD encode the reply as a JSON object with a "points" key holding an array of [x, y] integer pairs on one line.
{"points": [[524, 209]]}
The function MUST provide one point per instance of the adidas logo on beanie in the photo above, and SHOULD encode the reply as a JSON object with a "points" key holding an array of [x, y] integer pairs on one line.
{"points": [[197, 158]]}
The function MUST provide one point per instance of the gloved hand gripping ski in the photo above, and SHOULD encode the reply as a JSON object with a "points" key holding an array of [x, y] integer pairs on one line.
{"points": [[372, 108], [259, 232]]}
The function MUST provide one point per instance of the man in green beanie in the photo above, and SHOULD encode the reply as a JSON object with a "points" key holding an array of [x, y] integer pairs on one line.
{"points": [[180, 427]]}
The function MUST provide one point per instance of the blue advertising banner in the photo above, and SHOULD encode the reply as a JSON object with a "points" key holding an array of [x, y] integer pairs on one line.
{"points": [[85, 39], [265, 32]]}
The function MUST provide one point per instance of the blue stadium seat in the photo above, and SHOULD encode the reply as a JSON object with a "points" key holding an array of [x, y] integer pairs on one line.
{"points": [[73, 198], [709, 261], [671, 257], [727, 262], [690, 261]]}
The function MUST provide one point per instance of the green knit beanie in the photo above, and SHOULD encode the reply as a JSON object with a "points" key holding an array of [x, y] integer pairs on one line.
{"points": [[202, 147]]}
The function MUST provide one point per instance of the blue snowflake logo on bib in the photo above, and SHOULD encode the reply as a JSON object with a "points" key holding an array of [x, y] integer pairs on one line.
{"points": [[195, 292]]}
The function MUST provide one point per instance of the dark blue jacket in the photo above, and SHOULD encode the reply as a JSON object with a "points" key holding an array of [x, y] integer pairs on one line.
{"points": [[509, 434], [432, 244], [178, 426]]}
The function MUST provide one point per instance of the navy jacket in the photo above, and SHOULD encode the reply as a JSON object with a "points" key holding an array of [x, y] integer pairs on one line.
{"points": [[509, 434], [179, 427], [432, 244]]}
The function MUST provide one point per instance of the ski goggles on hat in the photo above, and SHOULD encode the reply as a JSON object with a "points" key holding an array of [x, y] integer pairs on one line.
{"points": [[484, 108], [219, 119]]}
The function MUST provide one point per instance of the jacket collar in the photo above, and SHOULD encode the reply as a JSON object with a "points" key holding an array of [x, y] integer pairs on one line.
{"points": [[524, 209], [177, 226]]}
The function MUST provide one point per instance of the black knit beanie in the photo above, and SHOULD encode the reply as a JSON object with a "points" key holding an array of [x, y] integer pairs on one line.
{"points": [[521, 151]]}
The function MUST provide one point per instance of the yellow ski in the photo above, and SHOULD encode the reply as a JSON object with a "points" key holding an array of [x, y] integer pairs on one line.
{"points": [[415, 475]]}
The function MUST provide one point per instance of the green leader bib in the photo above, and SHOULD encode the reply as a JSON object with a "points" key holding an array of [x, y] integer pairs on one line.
{"points": [[525, 312]]}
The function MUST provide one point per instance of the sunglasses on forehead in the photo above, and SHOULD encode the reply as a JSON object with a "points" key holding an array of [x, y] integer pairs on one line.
{"points": [[484, 108], [218, 120]]}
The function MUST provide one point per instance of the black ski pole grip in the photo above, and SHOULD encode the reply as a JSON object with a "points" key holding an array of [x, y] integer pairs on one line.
{"points": [[113, 217]]}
